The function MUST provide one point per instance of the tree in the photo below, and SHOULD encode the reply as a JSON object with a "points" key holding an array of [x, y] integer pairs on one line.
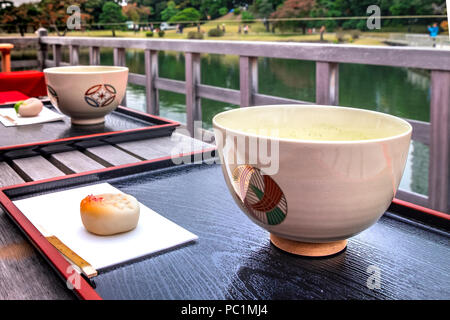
{"points": [[188, 14], [328, 8], [136, 14], [53, 13], [210, 8], [169, 12], [359, 8], [414, 7], [293, 9], [111, 15], [263, 9], [27, 15], [223, 11], [247, 16], [94, 8], [22, 17]]}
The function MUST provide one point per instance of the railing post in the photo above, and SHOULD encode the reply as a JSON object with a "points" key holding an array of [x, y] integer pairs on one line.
{"points": [[193, 101], [119, 60], [327, 83], [248, 79], [151, 73], [438, 176], [74, 54], [94, 56], [119, 57], [57, 54], [42, 51]]}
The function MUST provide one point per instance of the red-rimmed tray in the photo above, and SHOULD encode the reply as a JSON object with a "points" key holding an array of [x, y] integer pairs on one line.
{"points": [[233, 258], [121, 125]]}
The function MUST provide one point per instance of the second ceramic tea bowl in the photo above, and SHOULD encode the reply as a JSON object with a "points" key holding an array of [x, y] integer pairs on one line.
{"points": [[86, 93]]}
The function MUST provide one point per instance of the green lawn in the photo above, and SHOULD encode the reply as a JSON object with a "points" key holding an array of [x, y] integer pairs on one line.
{"points": [[256, 33]]}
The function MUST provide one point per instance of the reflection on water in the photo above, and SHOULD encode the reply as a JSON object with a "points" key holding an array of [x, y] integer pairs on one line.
{"points": [[415, 177], [398, 91], [420, 79]]}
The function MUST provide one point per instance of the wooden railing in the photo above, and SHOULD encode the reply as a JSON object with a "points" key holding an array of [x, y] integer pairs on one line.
{"points": [[435, 134]]}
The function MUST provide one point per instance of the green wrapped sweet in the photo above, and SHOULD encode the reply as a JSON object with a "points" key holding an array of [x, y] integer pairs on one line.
{"points": [[29, 108]]}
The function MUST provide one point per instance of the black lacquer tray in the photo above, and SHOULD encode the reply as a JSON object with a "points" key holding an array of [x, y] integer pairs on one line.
{"points": [[121, 125], [234, 259]]}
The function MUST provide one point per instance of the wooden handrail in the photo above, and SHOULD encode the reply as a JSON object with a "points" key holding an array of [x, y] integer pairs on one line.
{"points": [[421, 58]]}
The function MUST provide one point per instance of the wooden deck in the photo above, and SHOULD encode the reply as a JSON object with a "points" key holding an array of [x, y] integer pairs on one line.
{"points": [[24, 273]]}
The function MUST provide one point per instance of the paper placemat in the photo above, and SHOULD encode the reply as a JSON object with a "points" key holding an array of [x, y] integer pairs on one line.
{"points": [[59, 213], [9, 117]]}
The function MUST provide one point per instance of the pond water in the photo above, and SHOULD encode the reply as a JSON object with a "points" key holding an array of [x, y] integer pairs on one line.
{"points": [[397, 91]]}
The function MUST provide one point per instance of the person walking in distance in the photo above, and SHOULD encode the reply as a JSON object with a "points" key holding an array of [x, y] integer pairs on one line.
{"points": [[322, 31], [434, 30]]}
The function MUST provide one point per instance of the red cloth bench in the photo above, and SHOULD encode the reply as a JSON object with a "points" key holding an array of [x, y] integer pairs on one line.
{"points": [[11, 96], [31, 82]]}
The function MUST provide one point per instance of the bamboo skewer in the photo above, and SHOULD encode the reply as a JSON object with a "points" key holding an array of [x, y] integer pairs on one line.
{"points": [[73, 257]]}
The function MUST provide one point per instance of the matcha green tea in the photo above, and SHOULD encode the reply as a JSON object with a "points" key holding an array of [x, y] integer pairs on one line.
{"points": [[322, 132], [309, 123]]}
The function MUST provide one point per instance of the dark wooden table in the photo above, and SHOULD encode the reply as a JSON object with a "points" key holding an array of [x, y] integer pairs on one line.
{"points": [[234, 259], [24, 274]]}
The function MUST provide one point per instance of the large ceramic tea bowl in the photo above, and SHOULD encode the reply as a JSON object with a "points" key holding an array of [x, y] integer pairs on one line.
{"points": [[86, 93], [312, 174]]}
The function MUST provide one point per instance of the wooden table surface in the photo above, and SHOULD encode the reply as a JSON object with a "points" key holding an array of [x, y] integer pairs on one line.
{"points": [[24, 274]]}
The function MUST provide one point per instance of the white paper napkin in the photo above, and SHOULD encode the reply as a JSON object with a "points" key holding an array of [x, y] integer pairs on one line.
{"points": [[10, 118], [59, 214]]}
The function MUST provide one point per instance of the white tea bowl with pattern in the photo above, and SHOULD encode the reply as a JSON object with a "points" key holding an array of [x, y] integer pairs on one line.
{"points": [[312, 174], [86, 93]]}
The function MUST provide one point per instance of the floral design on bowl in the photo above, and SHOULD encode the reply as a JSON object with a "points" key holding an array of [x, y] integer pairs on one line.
{"points": [[100, 95], [260, 195]]}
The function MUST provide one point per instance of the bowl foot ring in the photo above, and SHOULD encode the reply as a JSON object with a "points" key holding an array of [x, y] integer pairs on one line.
{"points": [[88, 122], [308, 249]]}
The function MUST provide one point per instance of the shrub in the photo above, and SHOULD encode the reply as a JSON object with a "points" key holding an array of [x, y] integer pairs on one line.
{"points": [[237, 11], [149, 34], [215, 32], [223, 11], [340, 34], [195, 35], [188, 14], [161, 33], [247, 16], [355, 34]]}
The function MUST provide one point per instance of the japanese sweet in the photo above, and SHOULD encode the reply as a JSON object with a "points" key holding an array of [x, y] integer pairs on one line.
{"points": [[29, 108], [108, 214], [86, 93], [313, 176]]}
